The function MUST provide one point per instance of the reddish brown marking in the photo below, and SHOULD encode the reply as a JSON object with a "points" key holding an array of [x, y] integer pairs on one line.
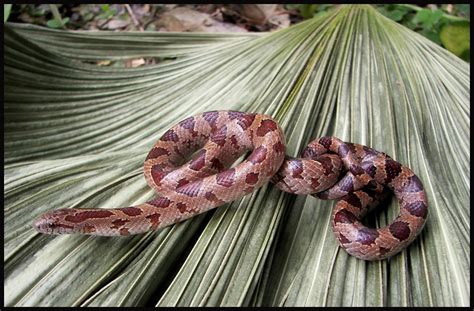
{"points": [[356, 169], [353, 200], [154, 219], [83, 216], [158, 173], [170, 135], [265, 127], [345, 216], [325, 142], [400, 230], [234, 142], [220, 136], [226, 178], [131, 211], [279, 147], [156, 152], [327, 164], [392, 169], [118, 223], [414, 185], [217, 165], [88, 229], [191, 189], [124, 231], [199, 161], [251, 178], [212, 197], [182, 207], [258, 155], [315, 183], [246, 121], [296, 167], [417, 208], [161, 202], [367, 236], [182, 182], [383, 250]]}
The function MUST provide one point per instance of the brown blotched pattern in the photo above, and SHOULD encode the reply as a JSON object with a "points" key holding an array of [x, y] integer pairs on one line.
{"points": [[369, 172], [329, 169], [206, 181]]}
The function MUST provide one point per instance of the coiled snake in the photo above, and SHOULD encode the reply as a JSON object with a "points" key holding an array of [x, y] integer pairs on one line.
{"points": [[207, 181]]}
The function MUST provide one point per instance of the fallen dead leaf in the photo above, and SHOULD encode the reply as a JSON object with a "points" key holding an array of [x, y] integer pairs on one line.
{"points": [[116, 24], [257, 13], [185, 19], [263, 17]]}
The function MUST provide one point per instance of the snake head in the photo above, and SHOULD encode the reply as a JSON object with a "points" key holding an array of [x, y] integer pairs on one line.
{"points": [[51, 223]]}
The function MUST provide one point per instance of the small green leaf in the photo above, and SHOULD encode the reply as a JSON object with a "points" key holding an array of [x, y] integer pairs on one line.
{"points": [[54, 23], [436, 16], [422, 16], [428, 18], [396, 15], [6, 11], [456, 37]]}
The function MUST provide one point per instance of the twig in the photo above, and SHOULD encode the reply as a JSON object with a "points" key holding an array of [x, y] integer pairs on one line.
{"points": [[134, 19]]}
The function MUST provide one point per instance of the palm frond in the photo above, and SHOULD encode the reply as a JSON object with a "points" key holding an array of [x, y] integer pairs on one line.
{"points": [[77, 134]]}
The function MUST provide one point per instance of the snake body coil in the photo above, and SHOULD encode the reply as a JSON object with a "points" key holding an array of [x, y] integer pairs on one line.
{"points": [[206, 181]]}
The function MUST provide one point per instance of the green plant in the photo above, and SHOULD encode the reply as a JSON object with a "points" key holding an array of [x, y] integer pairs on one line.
{"points": [[57, 21], [77, 135], [106, 12], [311, 10], [431, 23]]}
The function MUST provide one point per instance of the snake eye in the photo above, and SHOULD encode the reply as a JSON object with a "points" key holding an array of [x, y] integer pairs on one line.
{"points": [[43, 225], [48, 226]]}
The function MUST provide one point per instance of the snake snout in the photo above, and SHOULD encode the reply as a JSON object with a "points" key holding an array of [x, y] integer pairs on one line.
{"points": [[49, 225], [43, 225]]}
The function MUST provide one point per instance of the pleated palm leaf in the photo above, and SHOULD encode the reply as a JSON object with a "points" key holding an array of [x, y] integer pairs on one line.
{"points": [[76, 135]]}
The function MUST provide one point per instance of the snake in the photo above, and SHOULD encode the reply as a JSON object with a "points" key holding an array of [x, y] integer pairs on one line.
{"points": [[193, 168]]}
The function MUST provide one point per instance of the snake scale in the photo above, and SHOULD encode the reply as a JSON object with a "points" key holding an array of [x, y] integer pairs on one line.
{"points": [[356, 175]]}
